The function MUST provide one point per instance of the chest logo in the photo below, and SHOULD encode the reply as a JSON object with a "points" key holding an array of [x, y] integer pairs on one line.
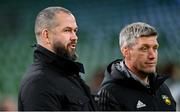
{"points": [[140, 104], [166, 99]]}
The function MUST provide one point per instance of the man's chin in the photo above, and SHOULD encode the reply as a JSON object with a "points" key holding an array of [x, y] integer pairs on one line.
{"points": [[68, 54], [73, 56], [150, 71]]}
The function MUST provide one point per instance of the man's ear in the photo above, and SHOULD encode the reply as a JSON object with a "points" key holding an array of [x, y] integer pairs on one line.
{"points": [[125, 52], [45, 36]]}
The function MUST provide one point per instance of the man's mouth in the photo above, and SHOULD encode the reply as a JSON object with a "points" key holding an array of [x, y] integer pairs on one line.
{"points": [[151, 63], [72, 46]]}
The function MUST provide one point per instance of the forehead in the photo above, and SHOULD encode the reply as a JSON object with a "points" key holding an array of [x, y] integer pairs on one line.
{"points": [[65, 20], [151, 40]]}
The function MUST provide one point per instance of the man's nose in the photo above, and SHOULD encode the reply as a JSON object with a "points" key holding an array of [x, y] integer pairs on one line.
{"points": [[152, 54], [74, 36]]}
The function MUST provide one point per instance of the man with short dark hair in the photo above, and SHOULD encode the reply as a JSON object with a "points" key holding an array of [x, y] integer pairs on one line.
{"points": [[132, 84], [53, 81]]}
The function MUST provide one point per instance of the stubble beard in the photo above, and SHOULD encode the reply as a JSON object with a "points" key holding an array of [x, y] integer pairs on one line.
{"points": [[147, 73]]}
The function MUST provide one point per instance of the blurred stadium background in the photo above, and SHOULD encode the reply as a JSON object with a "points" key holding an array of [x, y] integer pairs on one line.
{"points": [[99, 24]]}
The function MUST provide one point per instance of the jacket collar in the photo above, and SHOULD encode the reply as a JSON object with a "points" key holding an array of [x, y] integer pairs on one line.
{"points": [[44, 55]]}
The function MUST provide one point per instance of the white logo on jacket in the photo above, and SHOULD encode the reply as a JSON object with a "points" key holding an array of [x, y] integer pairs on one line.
{"points": [[140, 104]]}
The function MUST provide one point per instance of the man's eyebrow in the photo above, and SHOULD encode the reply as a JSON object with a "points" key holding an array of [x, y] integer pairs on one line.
{"points": [[71, 28], [147, 45]]}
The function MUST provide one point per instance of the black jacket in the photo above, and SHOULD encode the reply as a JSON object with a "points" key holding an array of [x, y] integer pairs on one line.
{"points": [[53, 83], [121, 91]]}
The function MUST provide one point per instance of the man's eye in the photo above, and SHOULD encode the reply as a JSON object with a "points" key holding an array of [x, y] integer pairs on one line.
{"points": [[75, 31], [67, 30], [155, 48], [144, 49]]}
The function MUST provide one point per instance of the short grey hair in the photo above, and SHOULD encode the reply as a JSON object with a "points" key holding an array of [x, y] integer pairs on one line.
{"points": [[131, 32], [45, 18]]}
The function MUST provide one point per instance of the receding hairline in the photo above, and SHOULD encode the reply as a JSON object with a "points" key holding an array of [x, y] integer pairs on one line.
{"points": [[46, 17]]}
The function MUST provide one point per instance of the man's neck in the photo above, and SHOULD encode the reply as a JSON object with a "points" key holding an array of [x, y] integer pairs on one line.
{"points": [[136, 76], [140, 75], [143, 77]]}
